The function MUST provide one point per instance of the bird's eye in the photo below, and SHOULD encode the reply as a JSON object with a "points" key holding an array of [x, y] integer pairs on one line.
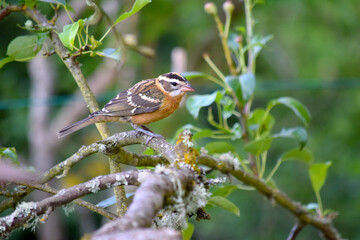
{"points": [[174, 83]]}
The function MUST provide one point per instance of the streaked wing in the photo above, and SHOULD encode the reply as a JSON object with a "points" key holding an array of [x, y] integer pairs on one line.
{"points": [[144, 97]]}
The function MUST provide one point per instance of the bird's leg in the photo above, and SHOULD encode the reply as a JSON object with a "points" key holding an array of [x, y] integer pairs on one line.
{"points": [[146, 131]]}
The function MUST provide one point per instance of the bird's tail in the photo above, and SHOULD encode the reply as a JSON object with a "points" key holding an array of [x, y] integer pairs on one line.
{"points": [[78, 125]]}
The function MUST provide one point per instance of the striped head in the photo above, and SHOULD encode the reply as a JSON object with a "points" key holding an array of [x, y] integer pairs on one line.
{"points": [[174, 84]]}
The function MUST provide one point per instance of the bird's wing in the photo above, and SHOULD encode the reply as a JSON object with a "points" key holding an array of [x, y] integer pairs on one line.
{"points": [[144, 97]]}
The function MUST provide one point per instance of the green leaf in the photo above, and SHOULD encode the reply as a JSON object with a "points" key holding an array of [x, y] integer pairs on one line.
{"points": [[297, 107], [297, 133], [224, 191], [258, 146], [195, 102], [303, 155], [61, 2], [112, 53], [247, 82], [258, 120], [139, 4], [312, 206], [30, 3], [219, 147], [317, 174], [228, 105], [149, 151], [234, 83], [10, 153], [23, 48], [67, 36], [258, 42], [243, 86], [219, 96], [225, 204], [188, 232], [96, 16], [204, 133], [236, 131], [5, 61]]}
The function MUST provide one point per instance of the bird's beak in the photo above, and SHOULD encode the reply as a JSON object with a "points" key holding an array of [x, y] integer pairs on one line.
{"points": [[187, 88]]}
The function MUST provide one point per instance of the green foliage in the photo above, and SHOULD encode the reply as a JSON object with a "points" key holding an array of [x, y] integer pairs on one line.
{"points": [[297, 107], [247, 82], [111, 53], [30, 3], [22, 48], [138, 5], [225, 204], [9, 153], [188, 232], [260, 122], [258, 43], [219, 147], [223, 191], [317, 172], [61, 2], [340, 139], [299, 134], [67, 36], [259, 146], [196, 102], [303, 155]]}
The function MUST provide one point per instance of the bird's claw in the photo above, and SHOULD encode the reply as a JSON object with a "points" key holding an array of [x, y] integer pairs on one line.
{"points": [[149, 133]]}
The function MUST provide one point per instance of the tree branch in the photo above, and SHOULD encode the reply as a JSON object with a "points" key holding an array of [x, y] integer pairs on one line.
{"points": [[110, 147], [9, 9], [148, 200], [140, 233], [80, 202], [27, 212], [322, 224]]}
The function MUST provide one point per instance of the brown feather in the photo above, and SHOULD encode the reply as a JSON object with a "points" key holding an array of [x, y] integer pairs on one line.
{"points": [[143, 97]]}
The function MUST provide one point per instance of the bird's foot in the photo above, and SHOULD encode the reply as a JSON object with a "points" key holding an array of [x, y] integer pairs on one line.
{"points": [[148, 132]]}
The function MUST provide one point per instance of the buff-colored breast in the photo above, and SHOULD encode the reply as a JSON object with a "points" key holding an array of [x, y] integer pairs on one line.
{"points": [[169, 106]]}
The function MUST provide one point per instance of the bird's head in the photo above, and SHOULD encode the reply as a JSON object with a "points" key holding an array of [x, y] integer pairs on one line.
{"points": [[174, 84]]}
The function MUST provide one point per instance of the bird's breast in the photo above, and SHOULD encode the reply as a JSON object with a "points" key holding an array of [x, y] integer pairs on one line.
{"points": [[167, 108]]}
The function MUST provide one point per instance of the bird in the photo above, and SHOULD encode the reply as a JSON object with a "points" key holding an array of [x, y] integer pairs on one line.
{"points": [[147, 101]]}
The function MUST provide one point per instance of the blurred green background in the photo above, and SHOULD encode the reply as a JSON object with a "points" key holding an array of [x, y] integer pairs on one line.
{"points": [[314, 57]]}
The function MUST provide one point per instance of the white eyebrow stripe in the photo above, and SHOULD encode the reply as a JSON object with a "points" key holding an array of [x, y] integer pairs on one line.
{"points": [[170, 79]]}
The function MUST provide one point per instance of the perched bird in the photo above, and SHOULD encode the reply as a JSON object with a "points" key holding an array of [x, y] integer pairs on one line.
{"points": [[147, 101]]}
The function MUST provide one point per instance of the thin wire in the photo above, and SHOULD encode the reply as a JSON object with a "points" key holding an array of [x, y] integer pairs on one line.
{"points": [[262, 86]]}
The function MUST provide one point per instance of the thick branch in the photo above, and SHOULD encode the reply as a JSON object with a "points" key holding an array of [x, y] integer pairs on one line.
{"points": [[111, 147], [323, 224], [23, 214], [140, 233], [148, 200]]}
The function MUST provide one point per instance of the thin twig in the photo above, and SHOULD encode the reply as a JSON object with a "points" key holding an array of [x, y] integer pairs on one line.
{"points": [[79, 202], [322, 224], [295, 230]]}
